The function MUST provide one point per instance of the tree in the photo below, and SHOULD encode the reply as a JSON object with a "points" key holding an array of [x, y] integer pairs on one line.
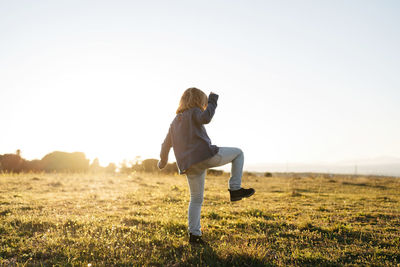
{"points": [[149, 165], [64, 161], [111, 167]]}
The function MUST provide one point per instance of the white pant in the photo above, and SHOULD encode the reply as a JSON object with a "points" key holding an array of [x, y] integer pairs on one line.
{"points": [[196, 177]]}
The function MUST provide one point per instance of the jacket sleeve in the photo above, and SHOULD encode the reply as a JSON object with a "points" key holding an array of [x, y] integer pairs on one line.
{"points": [[165, 147], [204, 117]]}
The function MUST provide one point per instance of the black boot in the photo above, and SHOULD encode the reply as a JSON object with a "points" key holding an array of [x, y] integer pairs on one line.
{"points": [[241, 193], [196, 240]]}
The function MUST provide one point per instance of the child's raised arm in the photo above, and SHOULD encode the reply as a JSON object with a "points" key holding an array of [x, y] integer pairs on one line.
{"points": [[206, 116]]}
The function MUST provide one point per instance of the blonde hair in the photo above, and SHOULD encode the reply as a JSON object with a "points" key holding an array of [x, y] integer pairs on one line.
{"points": [[192, 97]]}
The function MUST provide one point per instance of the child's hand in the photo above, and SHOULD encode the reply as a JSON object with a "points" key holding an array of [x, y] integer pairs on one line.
{"points": [[161, 164]]}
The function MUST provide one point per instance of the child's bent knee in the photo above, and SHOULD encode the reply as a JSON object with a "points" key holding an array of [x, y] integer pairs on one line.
{"points": [[240, 152]]}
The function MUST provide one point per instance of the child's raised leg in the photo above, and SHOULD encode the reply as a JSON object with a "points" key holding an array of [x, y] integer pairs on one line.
{"points": [[227, 155], [235, 155]]}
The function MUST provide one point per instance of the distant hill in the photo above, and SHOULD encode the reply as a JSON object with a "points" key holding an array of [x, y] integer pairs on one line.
{"points": [[389, 166]]}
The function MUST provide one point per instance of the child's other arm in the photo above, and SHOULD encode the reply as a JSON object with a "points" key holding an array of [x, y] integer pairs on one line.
{"points": [[165, 147], [206, 116]]}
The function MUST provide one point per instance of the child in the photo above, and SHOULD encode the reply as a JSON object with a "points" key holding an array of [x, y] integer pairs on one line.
{"points": [[194, 153]]}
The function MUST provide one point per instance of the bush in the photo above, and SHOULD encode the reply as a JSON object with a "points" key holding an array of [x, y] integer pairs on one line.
{"points": [[246, 173], [170, 168], [149, 165], [215, 172], [64, 161], [11, 163]]}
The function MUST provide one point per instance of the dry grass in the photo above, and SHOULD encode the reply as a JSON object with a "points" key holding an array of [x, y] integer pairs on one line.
{"points": [[140, 219]]}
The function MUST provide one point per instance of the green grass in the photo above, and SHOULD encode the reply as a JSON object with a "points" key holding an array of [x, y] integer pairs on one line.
{"points": [[141, 219]]}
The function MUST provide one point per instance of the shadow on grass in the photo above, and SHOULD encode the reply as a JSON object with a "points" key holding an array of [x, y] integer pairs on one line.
{"points": [[366, 258], [345, 235], [205, 255], [5, 212], [29, 228], [364, 185], [312, 261]]}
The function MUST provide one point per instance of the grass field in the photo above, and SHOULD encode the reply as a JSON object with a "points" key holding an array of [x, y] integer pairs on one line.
{"points": [[140, 219]]}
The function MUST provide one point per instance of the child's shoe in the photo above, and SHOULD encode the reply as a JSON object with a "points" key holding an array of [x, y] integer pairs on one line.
{"points": [[196, 240], [241, 193]]}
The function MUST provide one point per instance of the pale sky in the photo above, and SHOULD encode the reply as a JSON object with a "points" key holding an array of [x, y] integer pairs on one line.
{"points": [[299, 81]]}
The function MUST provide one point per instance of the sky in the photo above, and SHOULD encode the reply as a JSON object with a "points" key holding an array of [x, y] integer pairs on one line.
{"points": [[298, 81]]}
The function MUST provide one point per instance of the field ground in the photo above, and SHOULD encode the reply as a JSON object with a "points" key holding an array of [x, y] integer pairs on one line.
{"points": [[140, 219]]}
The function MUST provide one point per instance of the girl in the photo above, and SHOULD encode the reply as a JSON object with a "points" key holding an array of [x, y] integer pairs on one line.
{"points": [[194, 153]]}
